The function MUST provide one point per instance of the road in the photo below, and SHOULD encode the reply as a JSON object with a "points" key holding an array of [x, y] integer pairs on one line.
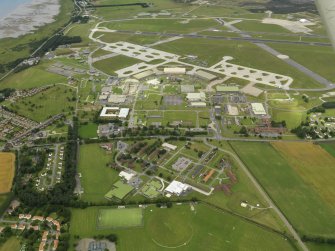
{"points": [[265, 196]]}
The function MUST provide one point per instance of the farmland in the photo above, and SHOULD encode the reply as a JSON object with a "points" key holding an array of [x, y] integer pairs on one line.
{"points": [[314, 165], [7, 171], [199, 226], [288, 189]]}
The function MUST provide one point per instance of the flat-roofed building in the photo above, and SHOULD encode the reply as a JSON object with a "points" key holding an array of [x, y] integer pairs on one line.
{"points": [[198, 104], [226, 88], [143, 74], [177, 188], [123, 114], [117, 99], [175, 70], [187, 88], [127, 176], [114, 112], [205, 75], [196, 96], [169, 147], [258, 109]]}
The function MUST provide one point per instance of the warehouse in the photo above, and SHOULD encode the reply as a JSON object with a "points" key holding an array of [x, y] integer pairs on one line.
{"points": [[177, 188], [258, 109], [205, 75], [195, 97], [175, 70]]}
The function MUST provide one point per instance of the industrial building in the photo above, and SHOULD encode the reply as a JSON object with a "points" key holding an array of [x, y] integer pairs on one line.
{"points": [[258, 109], [196, 97]]}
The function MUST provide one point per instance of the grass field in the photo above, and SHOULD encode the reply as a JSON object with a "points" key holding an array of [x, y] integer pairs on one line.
{"points": [[113, 64], [7, 171], [316, 58], [12, 244], [30, 78], [314, 165], [88, 131], [55, 100], [163, 25], [97, 179], [120, 218], [288, 189], [179, 227]]}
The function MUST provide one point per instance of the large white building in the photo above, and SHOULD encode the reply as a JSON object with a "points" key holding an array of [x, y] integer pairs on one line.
{"points": [[175, 70], [258, 109], [177, 188], [114, 112], [196, 97]]}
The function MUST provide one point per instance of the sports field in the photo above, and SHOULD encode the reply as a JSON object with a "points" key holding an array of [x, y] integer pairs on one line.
{"points": [[301, 204], [184, 228], [120, 218], [97, 179], [314, 165], [7, 171]]}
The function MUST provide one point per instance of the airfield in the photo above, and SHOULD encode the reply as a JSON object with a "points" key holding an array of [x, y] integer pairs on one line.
{"points": [[199, 126]]}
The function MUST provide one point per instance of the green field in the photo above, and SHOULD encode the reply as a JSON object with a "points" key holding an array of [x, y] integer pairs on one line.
{"points": [[163, 25], [314, 165], [315, 58], [182, 228], [30, 78], [55, 100], [113, 64], [12, 244], [258, 26], [120, 218], [97, 179], [288, 189], [88, 131]]}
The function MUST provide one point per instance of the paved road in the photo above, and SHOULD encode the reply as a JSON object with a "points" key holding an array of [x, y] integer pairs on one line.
{"points": [[266, 197]]}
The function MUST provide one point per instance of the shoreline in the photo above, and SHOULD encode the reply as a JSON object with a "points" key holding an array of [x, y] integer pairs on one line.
{"points": [[28, 17]]}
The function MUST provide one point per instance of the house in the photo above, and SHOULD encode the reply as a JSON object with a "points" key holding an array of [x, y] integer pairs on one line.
{"points": [[41, 247], [38, 218], [55, 245], [45, 236]]}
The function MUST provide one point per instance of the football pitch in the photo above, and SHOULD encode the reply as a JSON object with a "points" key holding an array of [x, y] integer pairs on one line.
{"points": [[119, 218]]}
